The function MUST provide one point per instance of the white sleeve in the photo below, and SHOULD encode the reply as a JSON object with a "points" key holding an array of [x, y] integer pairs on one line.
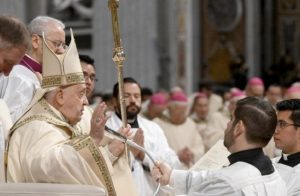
{"points": [[18, 95], [201, 183]]}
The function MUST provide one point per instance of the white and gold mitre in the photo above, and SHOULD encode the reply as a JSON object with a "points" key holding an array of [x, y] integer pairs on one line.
{"points": [[63, 69]]}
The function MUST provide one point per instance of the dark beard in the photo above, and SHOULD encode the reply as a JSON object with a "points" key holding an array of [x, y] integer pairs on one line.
{"points": [[130, 114]]}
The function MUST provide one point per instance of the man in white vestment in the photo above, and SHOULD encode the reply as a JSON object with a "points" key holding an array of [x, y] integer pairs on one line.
{"points": [[47, 145], [255, 87], [24, 78], [147, 134], [215, 102], [287, 138], [250, 172], [14, 40], [181, 131]]}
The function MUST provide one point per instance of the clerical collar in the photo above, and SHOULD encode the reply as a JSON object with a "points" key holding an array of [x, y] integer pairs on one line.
{"points": [[133, 123], [253, 157], [31, 64], [290, 160]]}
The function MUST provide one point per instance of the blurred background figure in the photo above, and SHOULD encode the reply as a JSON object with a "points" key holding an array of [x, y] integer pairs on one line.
{"points": [[215, 102], [292, 93], [181, 132], [274, 94], [255, 87], [199, 112], [157, 104]]}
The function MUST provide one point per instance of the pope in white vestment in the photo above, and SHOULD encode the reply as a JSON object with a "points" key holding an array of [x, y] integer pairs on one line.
{"points": [[46, 144]]}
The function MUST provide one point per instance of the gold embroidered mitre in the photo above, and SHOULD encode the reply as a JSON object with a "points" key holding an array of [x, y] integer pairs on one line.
{"points": [[61, 69]]}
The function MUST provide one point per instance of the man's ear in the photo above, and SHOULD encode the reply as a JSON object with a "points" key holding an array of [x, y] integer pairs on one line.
{"points": [[239, 128], [59, 97], [35, 39]]}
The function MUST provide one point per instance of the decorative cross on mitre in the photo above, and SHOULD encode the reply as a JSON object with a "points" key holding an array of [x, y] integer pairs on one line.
{"points": [[63, 69]]}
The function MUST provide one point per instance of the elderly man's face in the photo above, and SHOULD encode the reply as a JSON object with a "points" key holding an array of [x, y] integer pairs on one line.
{"points": [[73, 101], [55, 40], [9, 58]]}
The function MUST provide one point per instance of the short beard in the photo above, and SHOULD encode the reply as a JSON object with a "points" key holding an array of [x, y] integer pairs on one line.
{"points": [[132, 115]]}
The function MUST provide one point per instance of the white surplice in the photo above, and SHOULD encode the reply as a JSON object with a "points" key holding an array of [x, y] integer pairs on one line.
{"points": [[239, 179], [21, 84], [291, 176]]}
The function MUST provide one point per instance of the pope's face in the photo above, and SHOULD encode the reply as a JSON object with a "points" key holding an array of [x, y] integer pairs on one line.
{"points": [[73, 102], [9, 58]]}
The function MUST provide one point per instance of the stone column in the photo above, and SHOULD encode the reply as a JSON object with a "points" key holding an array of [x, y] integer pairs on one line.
{"points": [[253, 38]]}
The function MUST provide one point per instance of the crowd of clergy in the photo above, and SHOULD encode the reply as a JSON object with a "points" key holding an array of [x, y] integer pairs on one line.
{"points": [[53, 125]]}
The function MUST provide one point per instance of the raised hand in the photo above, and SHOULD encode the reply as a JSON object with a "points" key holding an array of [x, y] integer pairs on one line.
{"points": [[98, 122]]}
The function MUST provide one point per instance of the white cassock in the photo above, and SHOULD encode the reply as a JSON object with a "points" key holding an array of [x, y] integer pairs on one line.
{"points": [[156, 144], [239, 179], [291, 176], [21, 85], [215, 103]]}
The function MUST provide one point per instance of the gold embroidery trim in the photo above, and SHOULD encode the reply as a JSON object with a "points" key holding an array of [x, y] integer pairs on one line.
{"points": [[84, 141], [58, 80], [49, 81]]}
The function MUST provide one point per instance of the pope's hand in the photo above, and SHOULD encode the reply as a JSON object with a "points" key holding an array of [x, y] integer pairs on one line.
{"points": [[116, 147], [98, 123]]}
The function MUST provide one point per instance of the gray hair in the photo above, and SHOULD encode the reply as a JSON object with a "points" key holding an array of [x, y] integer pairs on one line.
{"points": [[40, 24]]}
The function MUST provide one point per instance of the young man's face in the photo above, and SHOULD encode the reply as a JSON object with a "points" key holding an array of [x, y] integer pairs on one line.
{"points": [[89, 73], [228, 135], [286, 136]]}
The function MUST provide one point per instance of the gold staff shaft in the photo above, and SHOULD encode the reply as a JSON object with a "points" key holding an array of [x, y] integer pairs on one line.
{"points": [[118, 55]]}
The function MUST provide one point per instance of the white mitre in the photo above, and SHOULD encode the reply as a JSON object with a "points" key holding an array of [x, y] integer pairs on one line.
{"points": [[63, 69]]}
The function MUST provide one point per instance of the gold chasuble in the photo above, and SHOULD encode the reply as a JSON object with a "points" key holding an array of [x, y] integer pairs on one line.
{"points": [[45, 148]]}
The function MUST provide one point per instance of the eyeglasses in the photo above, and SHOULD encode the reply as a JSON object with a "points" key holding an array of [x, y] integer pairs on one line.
{"points": [[92, 77], [282, 124], [56, 44]]}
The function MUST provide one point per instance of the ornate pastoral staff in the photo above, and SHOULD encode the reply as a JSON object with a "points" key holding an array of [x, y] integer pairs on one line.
{"points": [[119, 58], [118, 55]]}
